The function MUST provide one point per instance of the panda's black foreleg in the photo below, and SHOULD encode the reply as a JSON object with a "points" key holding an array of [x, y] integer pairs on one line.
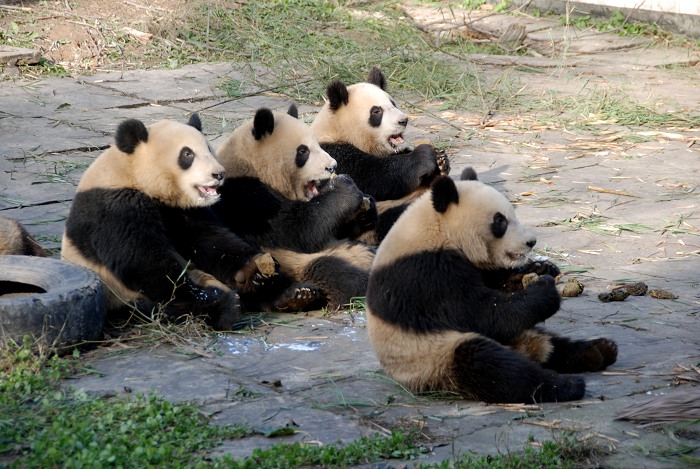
{"points": [[281, 293], [576, 356], [485, 370], [339, 280]]}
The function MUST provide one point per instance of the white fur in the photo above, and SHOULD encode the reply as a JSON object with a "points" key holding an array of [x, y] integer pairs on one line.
{"points": [[350, 123]]}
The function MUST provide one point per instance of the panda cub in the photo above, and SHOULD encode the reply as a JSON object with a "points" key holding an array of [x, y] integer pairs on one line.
{"points": [[140, 220], [14, 239], [282, 193], [363, 129], [440, 318]]}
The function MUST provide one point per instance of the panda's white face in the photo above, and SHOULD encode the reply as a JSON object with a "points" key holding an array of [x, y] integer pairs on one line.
{"points": [[370, 120], [281, 151], [468, 216], [168, 161], [177, 166]]}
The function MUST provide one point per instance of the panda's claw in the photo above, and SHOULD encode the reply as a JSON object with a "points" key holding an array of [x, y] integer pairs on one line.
{"points": [[299, 297], [443, 162]]}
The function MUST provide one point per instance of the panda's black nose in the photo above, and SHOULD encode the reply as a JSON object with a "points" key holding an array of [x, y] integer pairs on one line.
{"points": [[218, 176], [403, 122], [531, 243]]}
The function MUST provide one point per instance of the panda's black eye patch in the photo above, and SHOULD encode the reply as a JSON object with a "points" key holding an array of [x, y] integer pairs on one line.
{"points": [[186, 158], [393, 103], [302, 156], [375, 116], [499, 225]]}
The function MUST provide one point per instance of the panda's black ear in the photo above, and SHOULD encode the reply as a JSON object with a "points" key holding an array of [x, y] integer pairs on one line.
{"points": [[293, 111], [195, 122], [376, 77], [129, 134], [468, 174], [337, 94], [444, 193], [263, 123]]}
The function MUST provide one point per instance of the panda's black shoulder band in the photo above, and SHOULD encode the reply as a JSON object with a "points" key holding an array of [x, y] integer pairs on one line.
{"points": [[444, 192], [263, 123], [129, 134], [337, 94]]}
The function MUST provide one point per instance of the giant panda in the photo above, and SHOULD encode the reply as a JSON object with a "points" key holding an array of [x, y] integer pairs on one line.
{"points": [[440, 317], [14, 239], [282, 192], [141, 220], [363, 129]]}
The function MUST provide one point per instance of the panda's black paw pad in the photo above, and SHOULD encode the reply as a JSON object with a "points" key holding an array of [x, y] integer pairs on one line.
{"points": [[299, 297], [443, 162]]}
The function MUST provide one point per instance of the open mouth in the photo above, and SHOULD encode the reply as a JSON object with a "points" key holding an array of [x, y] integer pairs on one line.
{"points": [[516, 257], [316, 186], [396, 140], [209, 192], [311, 189]]}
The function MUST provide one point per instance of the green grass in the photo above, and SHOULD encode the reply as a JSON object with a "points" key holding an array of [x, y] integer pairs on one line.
{"points": [[42, 425]]}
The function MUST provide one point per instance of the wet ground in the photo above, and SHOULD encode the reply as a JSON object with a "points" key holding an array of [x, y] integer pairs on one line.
{"points": [[610, 203]]}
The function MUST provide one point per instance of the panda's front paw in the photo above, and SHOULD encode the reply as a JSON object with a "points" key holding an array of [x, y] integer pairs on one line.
{"points": [[223, 314], [426, 160], [544, 297], [540, 268], [443, 163], [256, 272]]}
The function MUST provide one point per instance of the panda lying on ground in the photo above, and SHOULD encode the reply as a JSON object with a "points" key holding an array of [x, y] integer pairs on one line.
{"points": [[14, 239], [281, 193], [362, 128], [140, 219], [438, 315]]}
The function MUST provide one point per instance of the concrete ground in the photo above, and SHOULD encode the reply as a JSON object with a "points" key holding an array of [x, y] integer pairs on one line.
{"points": [[610, 203]]}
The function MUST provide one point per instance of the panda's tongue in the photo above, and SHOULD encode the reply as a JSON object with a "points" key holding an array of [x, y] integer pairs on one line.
{"points": [[207, 191], [311, 190], [396, 140]]}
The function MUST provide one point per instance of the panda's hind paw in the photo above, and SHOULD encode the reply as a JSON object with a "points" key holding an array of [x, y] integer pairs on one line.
{"points": [[299, 297]]}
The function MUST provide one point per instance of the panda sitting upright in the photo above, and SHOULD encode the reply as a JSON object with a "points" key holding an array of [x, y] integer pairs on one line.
{"points": [[140, 219], [441, 318], [282, 193], [363, 129]]}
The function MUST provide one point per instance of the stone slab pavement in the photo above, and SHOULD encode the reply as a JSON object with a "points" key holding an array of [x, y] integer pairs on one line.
{"points": [[610, 203]]}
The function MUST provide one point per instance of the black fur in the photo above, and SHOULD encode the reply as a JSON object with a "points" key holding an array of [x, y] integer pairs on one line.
{"points": [[577, 356], [338, 279], [129, 134], [186, 158], [293, 111], [376, 114], [468, 174], [139, 240], [456, 285], [376, 77], [386, 177], [444, 193], [260, 214], [195, 122], [499, 225], [337, 95], [487, 371], [263, 123], [302, 156]]}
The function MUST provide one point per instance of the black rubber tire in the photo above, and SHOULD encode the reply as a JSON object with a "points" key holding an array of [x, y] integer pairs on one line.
{"points": [[71, 311]]}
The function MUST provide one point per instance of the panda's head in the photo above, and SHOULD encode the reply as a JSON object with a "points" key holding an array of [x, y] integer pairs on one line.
{"points": [[280, 150], [364, 115], [468, 216], [169, 161]]}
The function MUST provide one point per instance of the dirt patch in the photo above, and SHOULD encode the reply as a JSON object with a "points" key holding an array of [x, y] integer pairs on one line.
{"points": [[87, 35]]}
